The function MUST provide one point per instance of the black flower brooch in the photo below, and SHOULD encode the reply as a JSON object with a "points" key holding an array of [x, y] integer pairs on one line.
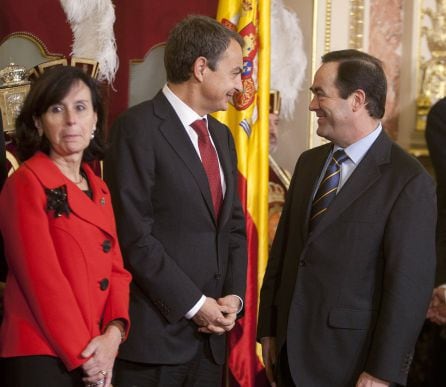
{"points": [[56, 200]]}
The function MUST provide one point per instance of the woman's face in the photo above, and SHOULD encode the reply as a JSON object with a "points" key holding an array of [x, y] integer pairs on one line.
{"points": [[69, 124]]}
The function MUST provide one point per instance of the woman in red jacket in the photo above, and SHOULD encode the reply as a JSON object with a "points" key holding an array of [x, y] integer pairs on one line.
{"points": [[66, 296]]}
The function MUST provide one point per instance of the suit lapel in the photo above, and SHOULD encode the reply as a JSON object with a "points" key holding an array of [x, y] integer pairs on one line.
{"points": [[310, 181], [366, 174], [173, 131], [92, 211]]}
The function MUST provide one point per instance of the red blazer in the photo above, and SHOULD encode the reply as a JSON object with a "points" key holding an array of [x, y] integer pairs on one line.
{"points": [[66, 280]]}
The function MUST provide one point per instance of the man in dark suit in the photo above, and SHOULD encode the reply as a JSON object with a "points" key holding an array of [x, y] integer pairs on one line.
{"points": [[436, 143], [180, 222], [432, 348], [351, 269]]}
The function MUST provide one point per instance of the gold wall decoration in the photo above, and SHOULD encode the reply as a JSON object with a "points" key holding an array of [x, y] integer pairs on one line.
{"points": [[433, 70], [327, 38], [356, 29], [14, 87], [11, 101]]}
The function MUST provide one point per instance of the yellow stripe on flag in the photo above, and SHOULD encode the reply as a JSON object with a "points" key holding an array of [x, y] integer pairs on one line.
{"points": [[248, 121]]}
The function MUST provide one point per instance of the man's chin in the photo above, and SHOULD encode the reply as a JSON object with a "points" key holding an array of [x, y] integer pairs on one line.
{"points": [[219, 109], [223, 107], [320, 131]]}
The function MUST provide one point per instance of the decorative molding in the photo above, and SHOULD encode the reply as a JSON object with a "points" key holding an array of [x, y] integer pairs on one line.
{"points": [[327, 37], [432, 84], [356, 30], [408, 137], [36, 40], [321, 44]]}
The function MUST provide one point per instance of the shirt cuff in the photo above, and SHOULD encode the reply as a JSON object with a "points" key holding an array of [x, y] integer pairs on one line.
{"points": [[192, 312], [241, 303]]}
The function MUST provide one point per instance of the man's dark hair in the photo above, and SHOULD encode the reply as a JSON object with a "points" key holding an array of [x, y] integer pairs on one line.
{"points": [[50, 89], [358, 70], [191, 38]]}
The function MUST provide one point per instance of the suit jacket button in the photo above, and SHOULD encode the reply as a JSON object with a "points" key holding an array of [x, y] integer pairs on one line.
{"points": [[302, 263], [103, 284], [106, 246], [217, 276]]}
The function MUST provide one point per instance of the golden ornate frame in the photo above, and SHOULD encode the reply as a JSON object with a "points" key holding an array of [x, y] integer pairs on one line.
{"points": [[11, 101]]}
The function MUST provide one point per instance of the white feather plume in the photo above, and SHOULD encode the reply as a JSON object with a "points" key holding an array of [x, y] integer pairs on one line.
{"points": [[288, 59], [92, 25]]}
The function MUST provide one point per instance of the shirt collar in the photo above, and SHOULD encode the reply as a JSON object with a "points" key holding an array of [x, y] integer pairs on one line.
{"points": [[184, 112], [357, 150]]}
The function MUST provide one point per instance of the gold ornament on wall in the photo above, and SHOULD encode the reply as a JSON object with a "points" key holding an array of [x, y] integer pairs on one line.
{"points": [[327, 37], [433, 70], [356, 29], [14, 87]]}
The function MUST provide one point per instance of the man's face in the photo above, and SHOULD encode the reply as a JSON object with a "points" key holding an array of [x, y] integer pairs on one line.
{"points": [[334, 113], [220, 85]]}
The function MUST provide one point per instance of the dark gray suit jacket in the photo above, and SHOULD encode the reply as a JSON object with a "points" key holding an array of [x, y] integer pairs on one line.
{"points": [[436, 143], [170, 240], [352, 295]]}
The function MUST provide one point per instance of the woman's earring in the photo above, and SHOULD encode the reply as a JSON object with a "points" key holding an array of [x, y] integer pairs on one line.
{"points": [[92, 132]]}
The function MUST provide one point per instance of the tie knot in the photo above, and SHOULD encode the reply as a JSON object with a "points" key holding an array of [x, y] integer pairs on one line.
{"points": [[340, 156], [200, 127]]}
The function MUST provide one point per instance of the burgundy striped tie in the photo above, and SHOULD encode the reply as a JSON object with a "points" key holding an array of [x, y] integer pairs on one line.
{"points": [[210, 163]]}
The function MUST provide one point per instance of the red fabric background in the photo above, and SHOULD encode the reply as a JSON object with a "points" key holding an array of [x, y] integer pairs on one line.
{"points": [[140, 24], [44, 19]]}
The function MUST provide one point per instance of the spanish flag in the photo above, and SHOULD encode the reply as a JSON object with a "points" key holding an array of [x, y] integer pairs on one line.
{"points": [[247, 118]]}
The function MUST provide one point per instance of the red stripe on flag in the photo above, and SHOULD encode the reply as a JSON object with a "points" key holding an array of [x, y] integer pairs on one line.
{"points": [[245, 366]]}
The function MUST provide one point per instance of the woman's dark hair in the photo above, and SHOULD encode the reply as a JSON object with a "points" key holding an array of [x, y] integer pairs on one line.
{"points": [[50, 89]]}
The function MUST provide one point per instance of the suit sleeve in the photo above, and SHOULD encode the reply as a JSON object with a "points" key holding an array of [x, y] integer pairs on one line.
{"points": [[130, 172], [436, 142], [409, 260], [33, 261], [235, 281], [267, 311]]}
